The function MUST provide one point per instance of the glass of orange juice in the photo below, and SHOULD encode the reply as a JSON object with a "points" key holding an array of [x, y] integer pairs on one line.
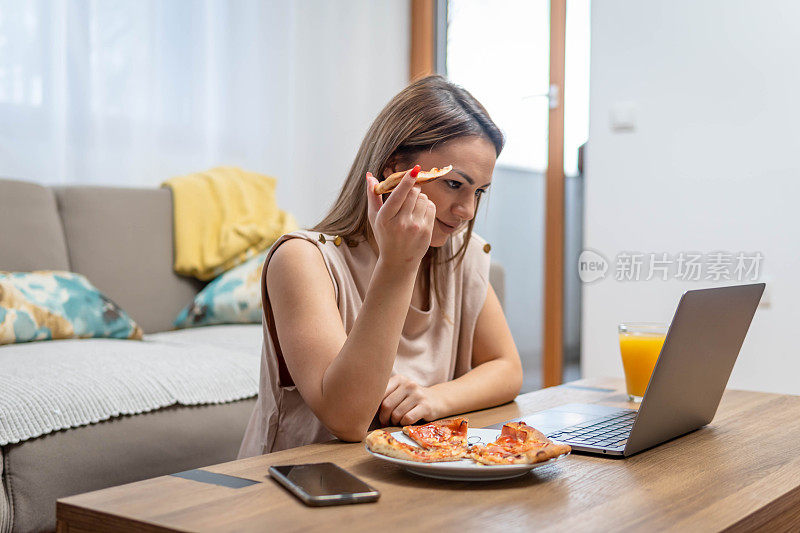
{"points": [[640, 343]]}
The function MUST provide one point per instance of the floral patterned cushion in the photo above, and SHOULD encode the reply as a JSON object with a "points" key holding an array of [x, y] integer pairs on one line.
{"points": [[50, 304], [232, 298]]}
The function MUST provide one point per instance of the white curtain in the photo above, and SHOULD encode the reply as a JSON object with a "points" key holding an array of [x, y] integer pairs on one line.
{"points": [[132, 92]]}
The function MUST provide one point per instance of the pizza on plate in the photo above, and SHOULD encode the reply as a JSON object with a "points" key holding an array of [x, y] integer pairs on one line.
{"points": [[446, 440], [450, 433], [518, 443], [423, 176], [380, 441]]}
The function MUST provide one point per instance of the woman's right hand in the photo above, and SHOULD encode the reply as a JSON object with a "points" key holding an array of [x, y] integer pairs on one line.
{"points": [[403, 225]]}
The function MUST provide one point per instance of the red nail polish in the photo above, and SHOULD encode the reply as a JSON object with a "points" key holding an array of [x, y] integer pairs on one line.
{"points": [[415, 171]]}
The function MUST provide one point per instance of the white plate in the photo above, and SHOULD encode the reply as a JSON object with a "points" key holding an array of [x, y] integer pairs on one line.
{"points": [[464, 469]]}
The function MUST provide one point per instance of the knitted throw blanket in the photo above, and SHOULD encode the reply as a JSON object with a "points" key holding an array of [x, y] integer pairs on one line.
{"points": [[48, 386]]}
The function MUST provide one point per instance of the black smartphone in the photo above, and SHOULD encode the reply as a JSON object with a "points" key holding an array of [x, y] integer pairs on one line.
{"points": [[319, 484]]}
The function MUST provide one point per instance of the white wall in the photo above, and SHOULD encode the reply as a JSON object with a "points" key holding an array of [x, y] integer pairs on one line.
{"points": [[712, 164]]}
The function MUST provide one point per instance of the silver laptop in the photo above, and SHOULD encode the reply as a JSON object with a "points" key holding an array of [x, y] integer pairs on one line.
{"points": [[691, 373]]}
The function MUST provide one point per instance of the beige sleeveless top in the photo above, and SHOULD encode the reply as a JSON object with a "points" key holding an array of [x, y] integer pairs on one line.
{"points": [[434, 347]]}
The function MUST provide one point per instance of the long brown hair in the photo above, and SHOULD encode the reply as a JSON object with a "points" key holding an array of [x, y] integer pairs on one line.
{"points": [[427, 112]]}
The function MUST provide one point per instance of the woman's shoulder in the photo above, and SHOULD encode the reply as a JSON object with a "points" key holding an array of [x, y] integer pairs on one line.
{"points": [[320, 240], [297, 262], [300, 246], [291, 246], [294, 253], [310, 253], [304, 240]]}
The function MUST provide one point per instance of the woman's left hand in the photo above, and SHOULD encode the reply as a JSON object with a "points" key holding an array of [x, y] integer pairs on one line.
{"points": [[406, 402]]}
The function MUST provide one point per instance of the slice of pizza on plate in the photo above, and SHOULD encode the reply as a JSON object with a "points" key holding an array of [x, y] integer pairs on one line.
{"points": [[380, 441], [440, 434], [518, 443]]}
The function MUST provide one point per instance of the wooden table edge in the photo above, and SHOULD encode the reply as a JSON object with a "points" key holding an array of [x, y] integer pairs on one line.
{"points": [[74, 519], [781, 514]]}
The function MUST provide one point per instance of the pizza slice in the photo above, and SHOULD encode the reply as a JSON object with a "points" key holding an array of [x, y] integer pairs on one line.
{"points": [[423, 176], [518, 443], [521, 436], [380, 441], [440, 434]]}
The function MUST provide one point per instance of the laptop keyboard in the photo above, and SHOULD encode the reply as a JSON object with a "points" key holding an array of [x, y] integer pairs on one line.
{"points": [[609, 431]]}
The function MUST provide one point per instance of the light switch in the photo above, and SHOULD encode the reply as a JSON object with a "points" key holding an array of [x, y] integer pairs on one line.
{"points": [[623, 116]]}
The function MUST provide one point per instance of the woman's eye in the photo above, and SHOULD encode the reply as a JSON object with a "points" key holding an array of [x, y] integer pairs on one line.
{"points": [[455, 185]]}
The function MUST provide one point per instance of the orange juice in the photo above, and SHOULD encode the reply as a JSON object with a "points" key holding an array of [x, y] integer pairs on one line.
{"points": [[639, 355]]}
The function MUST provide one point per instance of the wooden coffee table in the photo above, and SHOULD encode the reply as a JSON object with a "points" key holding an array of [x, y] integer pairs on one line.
{"points": [[739, 473]]}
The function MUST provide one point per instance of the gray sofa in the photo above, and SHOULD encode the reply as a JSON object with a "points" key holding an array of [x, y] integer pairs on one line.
{"points": [[121, 239]]}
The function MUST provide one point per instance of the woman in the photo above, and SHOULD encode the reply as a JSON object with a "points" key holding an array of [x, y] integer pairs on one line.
{"points": [[382, 314]]}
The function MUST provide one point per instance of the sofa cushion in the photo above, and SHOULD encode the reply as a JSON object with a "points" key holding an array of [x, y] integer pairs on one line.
{"points": [[32, 236], [47, 305], [121, 239], [117, 451], [232, 298]]}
